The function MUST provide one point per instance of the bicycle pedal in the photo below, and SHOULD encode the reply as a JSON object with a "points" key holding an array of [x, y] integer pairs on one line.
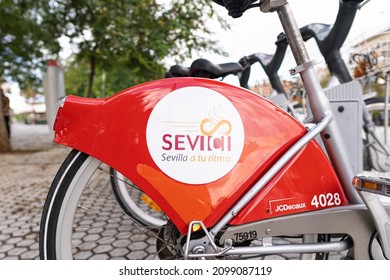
{"points": [[379, 185]]}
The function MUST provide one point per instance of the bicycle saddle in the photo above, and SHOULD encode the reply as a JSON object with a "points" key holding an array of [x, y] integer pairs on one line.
{"points": [[204, 68], [177, 71]]}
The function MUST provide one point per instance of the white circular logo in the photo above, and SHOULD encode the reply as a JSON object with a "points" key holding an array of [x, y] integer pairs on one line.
{"points": [[195, 135]]}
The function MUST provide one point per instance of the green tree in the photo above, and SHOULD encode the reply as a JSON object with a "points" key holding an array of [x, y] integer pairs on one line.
{"points": [[132, 36], [106, 82], [26, 41], [120, 42]]}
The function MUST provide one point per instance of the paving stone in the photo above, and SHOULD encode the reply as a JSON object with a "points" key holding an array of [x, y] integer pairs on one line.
{"points": [[121, 243], [26, 243], [30, 255], [95, 230], [3, 226], [16, 251], [138, 237], [6, 247], [20, 232], [9, 258], [79, 235], [83, 255], [141, 255], [99, 257], [34, 246], [9, 230], [90, 237], [33, 235], [137, 246], [151, 249], [87, 246], [102, 249], [4, 237], [14, 240], [20, 223], [119, 252]]}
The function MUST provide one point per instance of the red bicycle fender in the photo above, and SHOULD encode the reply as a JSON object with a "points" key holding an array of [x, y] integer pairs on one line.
{"points": [[139, 133]]}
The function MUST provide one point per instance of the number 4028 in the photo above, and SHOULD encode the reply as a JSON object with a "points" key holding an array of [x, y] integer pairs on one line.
{"points": [[324, 200]]}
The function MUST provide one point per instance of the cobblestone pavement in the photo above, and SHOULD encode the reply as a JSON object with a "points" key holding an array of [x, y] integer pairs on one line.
{"points": [[25, 177], [26, 174]]}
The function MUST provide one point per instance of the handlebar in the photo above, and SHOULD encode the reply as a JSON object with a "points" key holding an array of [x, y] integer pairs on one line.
{"points": [[330, 38], [270, 64]]}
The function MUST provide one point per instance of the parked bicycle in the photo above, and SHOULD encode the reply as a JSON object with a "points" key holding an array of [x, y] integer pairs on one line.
{"points": [[330, 39], [232, 185]]}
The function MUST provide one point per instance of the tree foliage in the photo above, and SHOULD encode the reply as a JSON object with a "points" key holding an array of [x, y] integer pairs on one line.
{"points": [[131, 38], [117, 43], [26, 42]]}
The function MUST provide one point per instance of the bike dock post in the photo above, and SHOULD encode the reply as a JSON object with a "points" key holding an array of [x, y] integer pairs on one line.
{"points": [[54, 88]]}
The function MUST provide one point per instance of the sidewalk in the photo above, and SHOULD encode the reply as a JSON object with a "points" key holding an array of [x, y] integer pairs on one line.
{"points": [[25, 177]]}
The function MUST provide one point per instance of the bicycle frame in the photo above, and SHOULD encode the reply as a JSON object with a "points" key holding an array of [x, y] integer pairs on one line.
{"points": [[250, 161]]}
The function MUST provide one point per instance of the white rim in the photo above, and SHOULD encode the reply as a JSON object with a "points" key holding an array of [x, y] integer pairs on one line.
{"points": [[132, 206]]}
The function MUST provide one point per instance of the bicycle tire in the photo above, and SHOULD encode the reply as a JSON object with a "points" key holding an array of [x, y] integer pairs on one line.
{"points": [[69, 218], [377, 138], [135, 202], [376, 104]]}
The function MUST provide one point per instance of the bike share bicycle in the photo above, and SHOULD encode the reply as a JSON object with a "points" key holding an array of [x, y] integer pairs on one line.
{"points": [[330, 39], [230, 184], [366, 71]]}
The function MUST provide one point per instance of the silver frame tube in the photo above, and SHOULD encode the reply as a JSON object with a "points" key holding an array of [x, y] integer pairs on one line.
{"points": [[327, 247], [324, 122], [319, 103]]}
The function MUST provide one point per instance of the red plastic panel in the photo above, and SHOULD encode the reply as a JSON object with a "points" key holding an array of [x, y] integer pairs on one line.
{"points": [[306, 183], [114, 130]]}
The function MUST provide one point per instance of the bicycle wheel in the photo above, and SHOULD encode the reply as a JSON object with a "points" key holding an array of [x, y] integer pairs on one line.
{"points": [[376, 108], [82, 219], [377, 136], [135, 202]]}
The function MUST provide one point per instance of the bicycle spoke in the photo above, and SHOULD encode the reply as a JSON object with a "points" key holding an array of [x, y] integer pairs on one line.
{"points": [[98, 194]]}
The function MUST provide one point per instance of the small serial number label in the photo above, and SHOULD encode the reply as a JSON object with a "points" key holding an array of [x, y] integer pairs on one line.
{"points": [[325, 200], [242, 236]]}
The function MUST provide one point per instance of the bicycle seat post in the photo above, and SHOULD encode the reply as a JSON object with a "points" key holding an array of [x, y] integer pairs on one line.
{"points": [[319, 103]]}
